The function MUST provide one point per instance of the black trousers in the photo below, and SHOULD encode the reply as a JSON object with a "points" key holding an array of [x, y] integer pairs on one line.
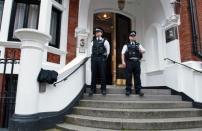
{"points": [[133, 68], [98, 65]]}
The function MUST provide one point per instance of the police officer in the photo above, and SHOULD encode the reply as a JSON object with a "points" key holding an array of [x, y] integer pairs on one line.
{"points": [[131, 55], [99, 53]]}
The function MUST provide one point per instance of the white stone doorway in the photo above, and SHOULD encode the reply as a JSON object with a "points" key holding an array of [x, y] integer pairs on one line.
{"points": [[116, 29]]}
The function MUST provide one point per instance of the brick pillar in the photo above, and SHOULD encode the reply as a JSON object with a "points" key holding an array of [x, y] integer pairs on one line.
{"points": [[72, 24], [185, 33]]}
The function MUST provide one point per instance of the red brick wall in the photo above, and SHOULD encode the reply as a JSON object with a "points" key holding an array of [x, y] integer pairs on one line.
{"points": [[72, 24], [9, 53], [185, 32], [53, 58]]}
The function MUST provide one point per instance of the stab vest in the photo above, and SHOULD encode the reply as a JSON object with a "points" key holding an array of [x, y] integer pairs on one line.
{"points": [[133, 51], [98, 48]]}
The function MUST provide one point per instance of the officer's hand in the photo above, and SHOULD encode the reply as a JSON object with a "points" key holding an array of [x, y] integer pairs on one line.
{"points": [[123, 65]]}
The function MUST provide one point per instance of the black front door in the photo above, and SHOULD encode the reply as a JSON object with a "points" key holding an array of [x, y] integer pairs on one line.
{"points": [[123, 27]]}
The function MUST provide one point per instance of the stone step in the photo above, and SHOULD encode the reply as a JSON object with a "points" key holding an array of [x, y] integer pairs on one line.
{"points": [[138, 113], [51, 130], [138, 124], [72, 127], [123, 97], [135, 104], [115, 90]]}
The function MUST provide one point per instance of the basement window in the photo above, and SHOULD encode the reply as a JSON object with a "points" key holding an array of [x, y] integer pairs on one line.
{"points": [[25, 14]]}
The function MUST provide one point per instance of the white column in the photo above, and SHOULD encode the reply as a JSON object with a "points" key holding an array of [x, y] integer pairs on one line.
{"points": [[32, 48], [82, 32], [44, 21]]}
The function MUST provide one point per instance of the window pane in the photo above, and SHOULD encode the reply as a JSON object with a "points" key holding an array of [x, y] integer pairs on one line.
{"points": [[55, 27], [33, 16], [53, 30], [25, 14], [1, 10], [59, 1], [19, 17]]}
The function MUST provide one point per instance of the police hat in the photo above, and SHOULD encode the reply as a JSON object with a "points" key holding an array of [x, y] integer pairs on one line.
{"points": [[98, 30], [132, 33]]}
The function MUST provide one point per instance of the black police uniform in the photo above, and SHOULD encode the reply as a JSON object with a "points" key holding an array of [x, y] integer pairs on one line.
{"points": [[132, 57], [98, 64]]}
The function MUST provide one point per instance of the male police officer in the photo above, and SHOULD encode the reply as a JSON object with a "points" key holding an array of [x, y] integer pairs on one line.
{"points": [[131, 55], [100, 51]]}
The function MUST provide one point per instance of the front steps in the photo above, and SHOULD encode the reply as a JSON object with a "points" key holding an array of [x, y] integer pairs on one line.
{"points": [[157, 110]]}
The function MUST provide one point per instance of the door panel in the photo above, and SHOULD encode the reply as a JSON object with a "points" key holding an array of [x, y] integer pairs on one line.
{"points": [[123, 27]]}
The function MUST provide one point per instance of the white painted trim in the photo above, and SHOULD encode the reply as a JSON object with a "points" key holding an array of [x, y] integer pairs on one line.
{"points": [[5, 24], [6, 20], [58, 5], [44, 25], [10, 44], [55, 50], [64, 31]]}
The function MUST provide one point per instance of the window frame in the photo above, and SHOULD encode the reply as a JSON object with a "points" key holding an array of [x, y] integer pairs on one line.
{"points": [[58, 28], [25, 21], [1, 17], [59, 1]]}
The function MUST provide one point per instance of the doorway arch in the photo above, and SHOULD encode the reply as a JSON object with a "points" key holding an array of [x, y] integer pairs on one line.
{"points": [[117, 35], [88, 8]]}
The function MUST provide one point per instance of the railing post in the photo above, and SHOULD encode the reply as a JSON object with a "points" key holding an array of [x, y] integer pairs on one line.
{"points": [[26, 117]]}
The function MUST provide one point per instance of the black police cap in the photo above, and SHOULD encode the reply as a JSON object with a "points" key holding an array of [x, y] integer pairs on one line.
{"points": [[98, 30], [132, 33]]}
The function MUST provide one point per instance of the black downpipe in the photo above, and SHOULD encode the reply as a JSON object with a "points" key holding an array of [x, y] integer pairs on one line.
{"points": [[193, 24]]}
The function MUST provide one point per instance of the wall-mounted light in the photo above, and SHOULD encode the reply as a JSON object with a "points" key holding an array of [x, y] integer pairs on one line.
{"points": [[104, 16], [121, 4]]}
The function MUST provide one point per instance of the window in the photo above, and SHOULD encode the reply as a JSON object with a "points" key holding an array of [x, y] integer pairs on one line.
{"points": [[25, 14], [1, 10], [55, 27], [59, 1]]}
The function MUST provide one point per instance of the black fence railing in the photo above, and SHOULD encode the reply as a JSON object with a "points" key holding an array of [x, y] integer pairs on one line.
{"points": [[175, 62], [8, 89], [64, 79]]}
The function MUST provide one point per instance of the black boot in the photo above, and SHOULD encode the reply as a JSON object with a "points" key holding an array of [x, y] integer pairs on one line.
{"points": [[90, 93], [128, 93], [140, 93], [94, 90], [104, 92]]}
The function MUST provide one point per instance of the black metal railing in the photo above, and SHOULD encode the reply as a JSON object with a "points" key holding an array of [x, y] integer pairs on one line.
{"points": [[8, 90], [64, 79], [175, 62]]}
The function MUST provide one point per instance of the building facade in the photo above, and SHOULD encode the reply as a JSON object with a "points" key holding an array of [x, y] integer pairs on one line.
{"points": [[170, 31]]}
